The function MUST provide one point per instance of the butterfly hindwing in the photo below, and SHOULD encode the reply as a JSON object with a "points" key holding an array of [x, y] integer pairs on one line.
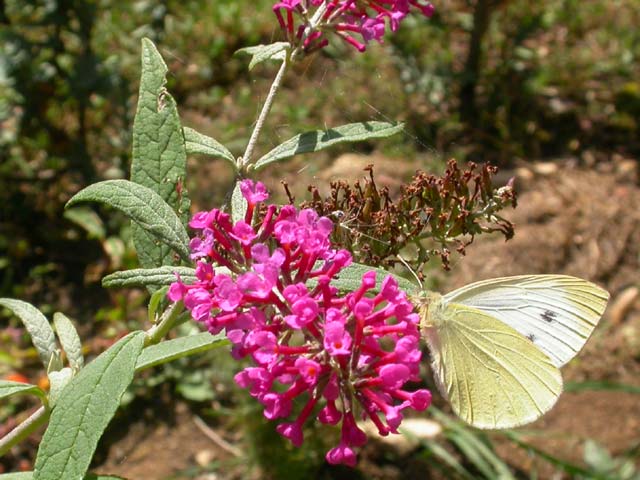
{"points": [[557, 312], [493, 376]]}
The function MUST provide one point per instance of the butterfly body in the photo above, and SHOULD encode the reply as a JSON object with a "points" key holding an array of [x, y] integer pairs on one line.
{"points": [[497, 345]]}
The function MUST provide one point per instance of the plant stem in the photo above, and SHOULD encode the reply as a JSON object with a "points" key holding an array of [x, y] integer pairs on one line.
{"points": [[26, 428], [266, 108]]}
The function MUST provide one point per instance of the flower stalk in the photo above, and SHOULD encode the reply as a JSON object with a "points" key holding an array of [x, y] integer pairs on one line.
{"points": [[244, 161]]}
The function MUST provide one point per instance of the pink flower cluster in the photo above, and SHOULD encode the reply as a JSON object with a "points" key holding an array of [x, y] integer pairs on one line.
{"points": [[349, 355], [365, 18]]}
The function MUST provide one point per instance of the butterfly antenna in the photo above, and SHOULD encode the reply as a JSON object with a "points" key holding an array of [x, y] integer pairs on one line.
{"points": [[413, 272]]}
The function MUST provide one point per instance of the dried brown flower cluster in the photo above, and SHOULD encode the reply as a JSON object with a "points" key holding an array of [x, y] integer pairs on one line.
{"points": [[431, 217]]}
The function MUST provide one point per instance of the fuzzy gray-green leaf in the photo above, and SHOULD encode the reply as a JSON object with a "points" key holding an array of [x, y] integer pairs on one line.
{"points": [[57, 381], [262, 53], [142, 205], [36, 324], [87, 219], [238, 203], [350, 278], [179, 347], [69, 339], [197, 142], [320, 139], [9, 388], [84, 409], [159, 155], [29, 476], [142, 277]]}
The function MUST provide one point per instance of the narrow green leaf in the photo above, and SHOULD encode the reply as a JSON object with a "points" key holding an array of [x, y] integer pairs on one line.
{"points": [[238, 204], [479, 453], [597, 457], [447, 458], [116, 249], [350, 278], [87, 219], [142, 205], [69, 340], [84, 409], [142, 277], [9, 388], [177, 348], [472, 455], [262, 53], [159, 155], [154, 303], [37, 325], [29, 476], [93, 476], [198, 143], [474, 445], [571, 469], [600, 385], [55, 362], [321, 139]]}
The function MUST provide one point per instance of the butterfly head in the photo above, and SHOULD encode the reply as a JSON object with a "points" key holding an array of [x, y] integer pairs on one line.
{"points": [[428, 305]]}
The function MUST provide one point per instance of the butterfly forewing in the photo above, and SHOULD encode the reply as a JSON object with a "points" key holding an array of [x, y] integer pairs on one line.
{"points": [[556, 312], [493, 376]]}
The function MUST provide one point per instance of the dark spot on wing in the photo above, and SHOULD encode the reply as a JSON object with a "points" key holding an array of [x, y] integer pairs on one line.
{"points": [[531, 337], [549, 316]]}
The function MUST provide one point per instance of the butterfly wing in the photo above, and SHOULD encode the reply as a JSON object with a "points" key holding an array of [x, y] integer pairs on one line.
{"points": [[492, 376], [557, 312]]}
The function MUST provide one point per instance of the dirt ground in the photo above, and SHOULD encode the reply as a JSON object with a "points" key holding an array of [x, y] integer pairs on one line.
{"points": [[570, 219]]}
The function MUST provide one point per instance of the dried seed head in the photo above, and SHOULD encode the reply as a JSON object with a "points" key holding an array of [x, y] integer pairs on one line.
{"points": [[434, 215]]}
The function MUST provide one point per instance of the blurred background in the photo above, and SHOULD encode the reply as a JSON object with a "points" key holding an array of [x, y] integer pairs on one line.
{"points": [[549, 91]]}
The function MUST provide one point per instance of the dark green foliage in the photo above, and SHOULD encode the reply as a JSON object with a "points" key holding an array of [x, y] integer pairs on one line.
{"points": [[523, 79]]}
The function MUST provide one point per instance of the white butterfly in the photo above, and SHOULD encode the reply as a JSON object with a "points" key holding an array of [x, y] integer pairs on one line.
{"points": [[497, 345]]}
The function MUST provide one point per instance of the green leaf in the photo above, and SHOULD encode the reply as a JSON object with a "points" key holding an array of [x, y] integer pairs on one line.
{"points": [[84, 409], [480, 454], [475, 447], [142, 205], [238, 203], [116, 249], [575, 471], [198, 143], [350, 278], [9, 388], [196, 389], [177, 348], [55, 362], [141, 277], [58, 380], [87, 219], [321, 139], [69, 340], [591, 385], [597, 457], [29, 476], [37, 325], [445, 458], [262, 53], [154, 302], [159, 154], [93, 476]]}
